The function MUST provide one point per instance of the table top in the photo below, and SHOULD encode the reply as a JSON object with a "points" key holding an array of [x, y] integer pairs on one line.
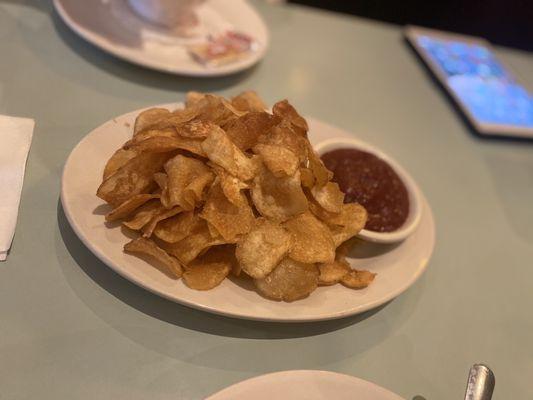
{"points": [[71, 328]]}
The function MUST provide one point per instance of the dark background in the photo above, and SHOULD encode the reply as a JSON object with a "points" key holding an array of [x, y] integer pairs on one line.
{"points": [[507, 23]]}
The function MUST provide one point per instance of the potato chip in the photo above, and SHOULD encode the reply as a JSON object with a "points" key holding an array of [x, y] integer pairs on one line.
{"points": [[118, 160], [196, 129], [284, 135], [135, 177], [231, 186], [290, 280], [143, 215], [210, 269], [192, 98], [321, 173], [216, 109], [284, 110], [176, 228], [248, 101], [263, 248], [149, 248], [278, 198], [358, 279], [246, 130], [198, 240], [348, 222], [279, 160], [221, 151], [163, 214], [227, 218], [129, 206], [312, 240], [149, 117], [329, 197], [163, 144], [187, 180], [307, 177], [149, 134], [332, 273]]}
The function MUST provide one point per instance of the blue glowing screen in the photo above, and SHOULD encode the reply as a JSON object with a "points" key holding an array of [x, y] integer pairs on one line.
{"points": [[484, 86]]}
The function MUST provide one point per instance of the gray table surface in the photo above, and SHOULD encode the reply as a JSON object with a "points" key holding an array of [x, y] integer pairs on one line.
{"points": [[71, 328]]}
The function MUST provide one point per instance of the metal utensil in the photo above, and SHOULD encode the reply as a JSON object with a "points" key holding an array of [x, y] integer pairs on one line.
{"points": [[480, 384]]}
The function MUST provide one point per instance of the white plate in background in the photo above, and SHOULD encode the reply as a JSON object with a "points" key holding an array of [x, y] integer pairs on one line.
{"points": [[398, 266], [113, 27]]}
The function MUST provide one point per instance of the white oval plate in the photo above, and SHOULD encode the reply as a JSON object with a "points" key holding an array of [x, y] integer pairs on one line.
{"points": [[133, 40], [304, 385], [398, 266]]}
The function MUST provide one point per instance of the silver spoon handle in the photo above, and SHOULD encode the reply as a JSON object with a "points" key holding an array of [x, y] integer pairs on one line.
{"points": [[480, 383]]}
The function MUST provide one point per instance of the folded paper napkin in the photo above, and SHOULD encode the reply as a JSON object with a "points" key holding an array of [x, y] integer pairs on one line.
{"points": [[15, 141]]}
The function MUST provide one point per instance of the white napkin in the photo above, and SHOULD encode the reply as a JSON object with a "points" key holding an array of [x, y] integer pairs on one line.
{"points": [[15, 141]]}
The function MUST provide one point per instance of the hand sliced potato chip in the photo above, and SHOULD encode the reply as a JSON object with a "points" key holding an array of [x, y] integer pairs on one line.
{"points": [[149, 248], [278, 198], [129, 206], [348, 222], [163, 214], [221, 151], [231, 186], [332, 273], [290, 280], [135, 177], [329, 197], [358, 279], [176, 228], [150, 134], [196, 129], [307, 177], [210, 269], [192, 98], [198, 240], [279, 160], [284, 135], [143, 215], [312, 240], [187, 180], [248, 101], [227, 218], [321, 173], [284, 110], [163, 144], [263, 248], [118, 160], [246, 130], [149, 117], [216, 109]]}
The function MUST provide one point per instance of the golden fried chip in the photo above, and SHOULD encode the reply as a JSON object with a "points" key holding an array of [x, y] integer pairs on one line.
{"points": [[221, 151], [150, 134], [196, 129], [348, 222], [117, 160], [187, 179], [176, 228], [163, 214], [284, 135], [231, 186], [284, 110], [307, 177], [163, 144], [149, 248], [358, 279], [329, 197], [246, 130], [248, 101], [290, 280], [321, 173], [143, 215], [216, 109], [210, 269], [135, 177], [198, 240], [263, 248], [278, 198], [129, 206], [279, 160], [192, 98], [312, 240], [332, 273], [149, 117], [227, 218]]}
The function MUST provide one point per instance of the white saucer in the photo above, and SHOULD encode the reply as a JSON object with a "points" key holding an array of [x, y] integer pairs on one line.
{"points": [[112, 26], [304, 385]]}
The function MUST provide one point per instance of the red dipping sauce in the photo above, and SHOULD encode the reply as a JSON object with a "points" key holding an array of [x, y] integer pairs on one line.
{"points": [[370, 181]]}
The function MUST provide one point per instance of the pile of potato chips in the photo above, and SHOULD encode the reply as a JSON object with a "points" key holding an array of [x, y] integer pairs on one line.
{"points": [[224, 188]]}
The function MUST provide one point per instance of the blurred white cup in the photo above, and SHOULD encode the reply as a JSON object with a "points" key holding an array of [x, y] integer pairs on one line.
{"points": [[177, 15]]}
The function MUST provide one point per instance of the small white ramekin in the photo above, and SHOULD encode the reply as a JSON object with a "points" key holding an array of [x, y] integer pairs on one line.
{"points": [[415, 203]]}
